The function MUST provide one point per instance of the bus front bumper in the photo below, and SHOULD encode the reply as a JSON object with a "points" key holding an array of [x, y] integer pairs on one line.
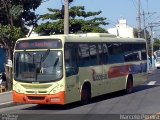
{"points": [[58, 98]]}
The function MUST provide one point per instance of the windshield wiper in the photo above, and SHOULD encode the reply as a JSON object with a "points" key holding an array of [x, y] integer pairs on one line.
{"points": [[56, 62], [45, 55], [42, 59]]}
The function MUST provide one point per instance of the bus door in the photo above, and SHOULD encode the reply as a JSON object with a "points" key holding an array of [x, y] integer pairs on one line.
{"points": [[71, 71], [98, 74], [103, 61]]}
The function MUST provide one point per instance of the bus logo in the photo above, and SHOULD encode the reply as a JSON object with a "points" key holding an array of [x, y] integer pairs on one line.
{"points": [[97, 77]]}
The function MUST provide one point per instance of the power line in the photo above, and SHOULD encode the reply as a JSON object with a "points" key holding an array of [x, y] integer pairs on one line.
{"points": [[139, 18], [156, 18], [147, 6], [141, 8], [134, 4]]}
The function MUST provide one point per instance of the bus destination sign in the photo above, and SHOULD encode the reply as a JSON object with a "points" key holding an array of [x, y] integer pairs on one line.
{"points": [[38, 44]]}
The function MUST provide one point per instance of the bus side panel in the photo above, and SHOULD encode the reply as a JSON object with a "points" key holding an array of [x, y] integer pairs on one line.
{"points": [[72, 89], [98, 80], [139, 71], [116, 76], [75, 83]]}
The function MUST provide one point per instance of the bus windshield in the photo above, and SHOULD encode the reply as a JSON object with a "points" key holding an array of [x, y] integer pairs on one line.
{"points": [[38, 66]]}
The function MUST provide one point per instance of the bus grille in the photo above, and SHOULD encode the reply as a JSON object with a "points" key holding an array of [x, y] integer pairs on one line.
{"points": [[35, 98]]}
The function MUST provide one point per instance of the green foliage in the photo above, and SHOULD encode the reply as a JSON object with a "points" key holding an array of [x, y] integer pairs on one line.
{"points": [[80, 21], [156, 44], [10, 32], [15, 15], [16, 11], [19, 12], [9, 35]]}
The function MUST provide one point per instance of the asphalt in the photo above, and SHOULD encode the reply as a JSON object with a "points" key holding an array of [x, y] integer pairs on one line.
{"points": [[6, 99]]}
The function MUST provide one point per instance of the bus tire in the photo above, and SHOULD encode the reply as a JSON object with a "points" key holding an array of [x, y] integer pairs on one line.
{"points": [[129, 85], [86, 94]]}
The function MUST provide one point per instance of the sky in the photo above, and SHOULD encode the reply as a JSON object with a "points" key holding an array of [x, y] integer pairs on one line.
{"points": [[113, 10]]}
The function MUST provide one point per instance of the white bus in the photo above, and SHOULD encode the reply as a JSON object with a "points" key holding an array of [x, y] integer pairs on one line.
{"points": [[61, 69]]}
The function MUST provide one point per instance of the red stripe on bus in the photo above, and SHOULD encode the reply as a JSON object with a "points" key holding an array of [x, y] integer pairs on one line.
{"points": [[118, 71]]}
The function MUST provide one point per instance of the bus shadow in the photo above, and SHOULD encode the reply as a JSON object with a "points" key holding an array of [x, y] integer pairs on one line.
{"points": [[94, 100], [54, 107], [122, 93]]}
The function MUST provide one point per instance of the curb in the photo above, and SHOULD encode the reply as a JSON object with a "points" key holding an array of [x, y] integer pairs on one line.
{"points": [[5, 92], [9, 104], [151, 72]]}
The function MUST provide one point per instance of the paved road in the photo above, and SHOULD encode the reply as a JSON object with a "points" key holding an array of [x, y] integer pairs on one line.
{"points": [[5, 97], [144, 100]]}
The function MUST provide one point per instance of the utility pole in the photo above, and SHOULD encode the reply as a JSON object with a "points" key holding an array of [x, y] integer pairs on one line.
{"points": [[144, 25], [66, 17], [152, 41], [144, 22], [139, 19]]}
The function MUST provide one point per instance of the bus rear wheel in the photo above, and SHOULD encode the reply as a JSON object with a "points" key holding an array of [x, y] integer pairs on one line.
{"points": [[85, 94], [129, 86]]}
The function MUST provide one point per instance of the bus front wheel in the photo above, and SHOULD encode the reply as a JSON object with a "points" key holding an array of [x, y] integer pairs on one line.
{"points": [[86, 94]]}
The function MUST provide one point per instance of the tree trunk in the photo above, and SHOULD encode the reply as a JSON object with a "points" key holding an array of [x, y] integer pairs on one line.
{"points": [[8, 70]]}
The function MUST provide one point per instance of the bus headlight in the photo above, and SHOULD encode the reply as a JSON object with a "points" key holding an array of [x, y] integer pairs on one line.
{"points": [[58, 73], [18, 90]]}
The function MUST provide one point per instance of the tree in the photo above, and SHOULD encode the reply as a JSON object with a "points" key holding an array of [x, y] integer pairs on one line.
{"points": [[156, 44], [80, 21], [14, 16]]}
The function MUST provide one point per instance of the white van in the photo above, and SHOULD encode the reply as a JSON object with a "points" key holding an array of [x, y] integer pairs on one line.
{"points": [[157, 62]]}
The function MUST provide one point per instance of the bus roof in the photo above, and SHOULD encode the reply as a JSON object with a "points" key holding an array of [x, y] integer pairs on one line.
{"points": [[87, 37]]}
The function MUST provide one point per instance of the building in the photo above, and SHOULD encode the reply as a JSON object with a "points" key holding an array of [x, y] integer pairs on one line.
{"points": [[123, 30]]}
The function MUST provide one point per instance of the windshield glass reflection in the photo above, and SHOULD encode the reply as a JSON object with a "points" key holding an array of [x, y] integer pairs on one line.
{"points": [[42, 66]]}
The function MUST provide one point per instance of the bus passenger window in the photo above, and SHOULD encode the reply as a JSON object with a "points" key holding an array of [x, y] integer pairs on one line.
{"points": [[105, 53], [100, 51], [116, 53], [93, 54], [70, 60], [83, 54]]}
